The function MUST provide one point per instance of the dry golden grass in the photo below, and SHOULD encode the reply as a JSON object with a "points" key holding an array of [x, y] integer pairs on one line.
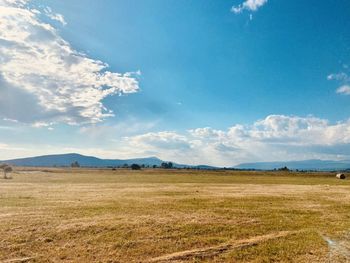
{"points": [[82, 215]]}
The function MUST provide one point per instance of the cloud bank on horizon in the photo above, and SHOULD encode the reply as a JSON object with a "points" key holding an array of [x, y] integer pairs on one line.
{"points": [[275, 138], [44, 79]]}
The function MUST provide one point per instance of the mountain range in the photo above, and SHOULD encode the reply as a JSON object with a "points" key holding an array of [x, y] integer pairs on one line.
{"points": [[318, 165], [91, 161], [86, 161]]}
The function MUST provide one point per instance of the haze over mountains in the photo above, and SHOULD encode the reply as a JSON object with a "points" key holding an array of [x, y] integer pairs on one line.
{"points": [[319, 165], [91, 161]]}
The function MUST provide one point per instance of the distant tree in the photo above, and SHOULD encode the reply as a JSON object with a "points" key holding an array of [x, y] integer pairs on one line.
{"points": [[125, 165], [284, 169], [7, 169], [135, 166], [154, 166], [167, 165], [75, 164]]}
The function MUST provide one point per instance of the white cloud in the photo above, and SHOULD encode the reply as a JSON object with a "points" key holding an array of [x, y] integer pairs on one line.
{"points": [[343, 78], [277, 137], [164, 140], [44, 79], [344, 90], [274, 138], [4, 146], [13, 151], [20, 3], [10, 120], [108, 132], [54, 16], [41, 124], [249, 5]]}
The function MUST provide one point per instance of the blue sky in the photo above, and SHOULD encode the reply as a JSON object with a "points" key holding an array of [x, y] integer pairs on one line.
{"points": [[218, 82]]}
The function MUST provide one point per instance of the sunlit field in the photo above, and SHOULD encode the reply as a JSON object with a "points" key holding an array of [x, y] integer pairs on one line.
{"points": [[81, 215]]}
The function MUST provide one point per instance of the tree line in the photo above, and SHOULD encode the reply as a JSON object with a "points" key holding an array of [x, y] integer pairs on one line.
{"points": [[134, 166]]}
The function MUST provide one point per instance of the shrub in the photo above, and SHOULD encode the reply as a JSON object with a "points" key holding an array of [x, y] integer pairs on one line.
{"points": [[135, 166]]}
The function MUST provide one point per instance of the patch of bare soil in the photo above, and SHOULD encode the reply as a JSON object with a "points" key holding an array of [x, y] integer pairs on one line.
{"points": [[339, 250]]}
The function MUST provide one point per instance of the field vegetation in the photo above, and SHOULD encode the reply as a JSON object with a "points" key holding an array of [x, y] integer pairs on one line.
{"points": [[156, 215]]}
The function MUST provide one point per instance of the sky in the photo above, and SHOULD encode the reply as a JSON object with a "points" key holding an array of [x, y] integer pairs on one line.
{"points": [[189, 81]]}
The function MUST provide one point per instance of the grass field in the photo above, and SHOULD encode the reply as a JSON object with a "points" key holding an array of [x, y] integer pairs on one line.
{"points": [[81, 215]]}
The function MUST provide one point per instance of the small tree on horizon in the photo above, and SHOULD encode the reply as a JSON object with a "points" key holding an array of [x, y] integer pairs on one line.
{"points": [[167, 165], [6, 169], [284, 169], [75, 164], [135, 166]]}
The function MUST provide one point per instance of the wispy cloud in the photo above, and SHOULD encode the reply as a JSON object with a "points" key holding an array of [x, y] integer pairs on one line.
{"points": [[343, 78], [249, 5], [10, 120], [44, 79], [55, 16]]}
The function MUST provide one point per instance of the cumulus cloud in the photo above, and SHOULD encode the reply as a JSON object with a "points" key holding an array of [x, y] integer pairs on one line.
{"points": [[277, 137], [273, 138], [44, 79], [249, 5], [344, 90]]}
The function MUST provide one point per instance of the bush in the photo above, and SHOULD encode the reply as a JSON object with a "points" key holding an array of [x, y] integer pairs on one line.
{"points": [[135, 166], [284, 169], [75, 164], [168, 165]]}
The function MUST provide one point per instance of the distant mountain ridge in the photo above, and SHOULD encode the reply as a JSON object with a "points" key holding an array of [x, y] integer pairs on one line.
{"points": [[320, 165], [91, 161], [85, 161]]}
